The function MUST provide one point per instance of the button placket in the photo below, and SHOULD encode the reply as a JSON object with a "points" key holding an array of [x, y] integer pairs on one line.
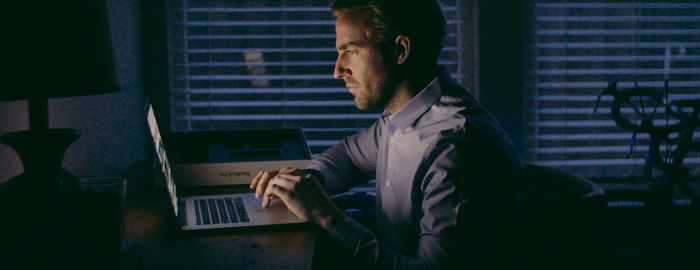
{"points": [[392, 139]]}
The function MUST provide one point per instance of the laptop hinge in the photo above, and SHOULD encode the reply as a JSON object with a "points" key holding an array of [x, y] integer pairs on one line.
{"points": [[182, 216]]}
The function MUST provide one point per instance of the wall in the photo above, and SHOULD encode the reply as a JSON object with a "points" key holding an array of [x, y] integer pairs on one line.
{"points": [[500, 64], [112, 125]]}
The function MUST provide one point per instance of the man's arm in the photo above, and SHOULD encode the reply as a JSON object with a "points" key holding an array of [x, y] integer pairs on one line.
{"points": [[350, 162]]}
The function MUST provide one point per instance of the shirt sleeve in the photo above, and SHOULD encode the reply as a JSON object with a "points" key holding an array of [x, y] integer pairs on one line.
{"points": [[350, 162], [467, 209]]}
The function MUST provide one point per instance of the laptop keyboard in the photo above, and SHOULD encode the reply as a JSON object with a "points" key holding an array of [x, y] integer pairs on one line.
{"points": [[220, 211]]}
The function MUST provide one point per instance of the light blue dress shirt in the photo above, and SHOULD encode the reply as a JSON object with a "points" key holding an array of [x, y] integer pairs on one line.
{"points": [[446, 178]]}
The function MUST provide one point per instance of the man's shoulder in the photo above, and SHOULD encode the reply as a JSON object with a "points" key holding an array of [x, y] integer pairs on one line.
{"points": [[467, 122], [457, 115], [456, 101], [452, 92], [460, 111]]}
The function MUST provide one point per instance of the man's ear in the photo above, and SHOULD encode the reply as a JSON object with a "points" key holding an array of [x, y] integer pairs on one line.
{"points": [[402, 48]]}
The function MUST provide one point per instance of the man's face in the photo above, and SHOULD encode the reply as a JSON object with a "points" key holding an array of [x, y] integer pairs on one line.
{"points": [[360, 64]]}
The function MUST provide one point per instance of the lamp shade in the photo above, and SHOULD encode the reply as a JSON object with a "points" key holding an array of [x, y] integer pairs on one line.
{"points": [[56, 49]]}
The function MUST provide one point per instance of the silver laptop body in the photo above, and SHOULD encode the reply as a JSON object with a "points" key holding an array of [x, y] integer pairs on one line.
{"points": [[216, 211]]}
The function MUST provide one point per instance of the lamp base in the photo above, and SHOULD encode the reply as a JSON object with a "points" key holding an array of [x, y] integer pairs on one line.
{"points": [[24, 183], [41, 152]]}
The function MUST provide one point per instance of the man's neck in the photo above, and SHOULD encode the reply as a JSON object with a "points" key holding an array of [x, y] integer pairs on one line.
{"points": [[409, 87]]}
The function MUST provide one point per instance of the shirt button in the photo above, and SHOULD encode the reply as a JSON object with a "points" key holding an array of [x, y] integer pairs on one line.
{"points": [[387, 183], [391, 140]]}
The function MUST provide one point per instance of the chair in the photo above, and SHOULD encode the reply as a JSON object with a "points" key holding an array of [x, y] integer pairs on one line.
{"points": [[561, 219]]}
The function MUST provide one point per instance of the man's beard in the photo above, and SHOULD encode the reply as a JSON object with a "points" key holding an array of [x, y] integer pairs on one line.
{"points": [[374, 98]]}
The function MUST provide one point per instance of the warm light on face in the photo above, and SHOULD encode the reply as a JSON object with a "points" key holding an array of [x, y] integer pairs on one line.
{"points": [[360, 64]]}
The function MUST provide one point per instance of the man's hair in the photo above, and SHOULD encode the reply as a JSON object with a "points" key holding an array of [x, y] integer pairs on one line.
{"points": [[420, 20]]}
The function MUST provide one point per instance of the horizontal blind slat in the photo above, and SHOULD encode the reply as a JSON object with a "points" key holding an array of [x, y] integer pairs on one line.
{"points": [[283, 9], [631, 45], [620, 32], [565, 71], [280, 116], [572, 123], [618, 5], [266, 103], [299, 63], [260, 90], [273, 50], [618, 19], [614, 58], [269, 23]]}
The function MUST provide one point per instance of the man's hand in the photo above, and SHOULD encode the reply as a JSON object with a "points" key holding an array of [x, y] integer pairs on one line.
{"points": [[262, 179], [301, 193]]}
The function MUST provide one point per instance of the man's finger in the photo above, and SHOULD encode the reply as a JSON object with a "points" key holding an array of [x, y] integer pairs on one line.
{"points": [[262, 184], [270, 195], [268, 199], [259, 186], [286, 170], [254, 184], [290, 177], [286, 181], [279, 191]]}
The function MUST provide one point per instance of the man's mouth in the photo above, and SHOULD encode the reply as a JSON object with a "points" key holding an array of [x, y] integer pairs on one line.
{"points": [[351, 84], [351, 87]]}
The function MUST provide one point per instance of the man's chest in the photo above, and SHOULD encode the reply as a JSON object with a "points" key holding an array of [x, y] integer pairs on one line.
{"points": [[398, 182]]}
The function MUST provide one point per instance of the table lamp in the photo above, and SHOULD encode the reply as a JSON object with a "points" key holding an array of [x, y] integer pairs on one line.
{"points": [[51, 49]]}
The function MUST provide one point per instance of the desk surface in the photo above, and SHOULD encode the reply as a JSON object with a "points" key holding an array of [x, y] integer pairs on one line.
{"points": [[160, 245]]}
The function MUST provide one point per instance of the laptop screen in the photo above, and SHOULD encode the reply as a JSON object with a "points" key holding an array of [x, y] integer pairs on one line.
{"points": [[162, 157]]}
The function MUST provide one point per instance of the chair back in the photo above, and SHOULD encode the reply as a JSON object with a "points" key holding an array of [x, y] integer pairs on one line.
{"points": [[562, 217]]}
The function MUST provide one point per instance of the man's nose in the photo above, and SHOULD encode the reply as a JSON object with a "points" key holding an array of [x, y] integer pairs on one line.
{"points": [[340, 71]]}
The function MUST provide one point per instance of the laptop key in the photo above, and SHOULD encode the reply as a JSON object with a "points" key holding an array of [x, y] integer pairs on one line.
{"points": [[214, 213], [231, 212], [198, 216], [222, 210], [240, 208], [205, 212]]}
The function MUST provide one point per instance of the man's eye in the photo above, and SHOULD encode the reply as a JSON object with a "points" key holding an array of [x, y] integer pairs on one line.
{"points": [[351, 51]]}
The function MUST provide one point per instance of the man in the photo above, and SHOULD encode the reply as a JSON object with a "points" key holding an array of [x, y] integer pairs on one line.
{"points": [[445, 170]]}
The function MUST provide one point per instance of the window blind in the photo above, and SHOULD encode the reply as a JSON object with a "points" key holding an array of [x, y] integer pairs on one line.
{"points": [[574, 49], [259, 64]]}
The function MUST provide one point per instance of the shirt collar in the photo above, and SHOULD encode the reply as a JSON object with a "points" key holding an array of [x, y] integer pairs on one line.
{"points": [[418, 105]]}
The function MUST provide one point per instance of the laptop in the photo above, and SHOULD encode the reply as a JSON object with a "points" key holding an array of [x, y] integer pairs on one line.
{"points": [[216, 211]]}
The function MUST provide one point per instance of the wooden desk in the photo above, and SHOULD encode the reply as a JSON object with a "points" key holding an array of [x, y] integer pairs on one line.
{"points": [[159, 244]]}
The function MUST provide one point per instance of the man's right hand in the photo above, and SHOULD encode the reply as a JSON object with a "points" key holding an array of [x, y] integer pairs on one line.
{"points": [[262, 179], [300, 192]]}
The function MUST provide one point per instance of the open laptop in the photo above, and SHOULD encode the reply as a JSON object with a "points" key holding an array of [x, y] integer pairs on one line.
{"points": [[216, 211]]}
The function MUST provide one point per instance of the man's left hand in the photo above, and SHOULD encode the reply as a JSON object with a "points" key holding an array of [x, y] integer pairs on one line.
{"points": [[305, 197]]}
